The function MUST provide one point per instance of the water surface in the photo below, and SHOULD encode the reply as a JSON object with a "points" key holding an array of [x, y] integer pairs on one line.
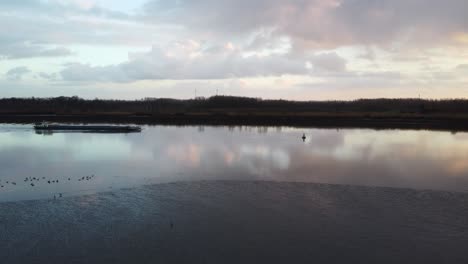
{"points": [[386, 158], [233, 195]]}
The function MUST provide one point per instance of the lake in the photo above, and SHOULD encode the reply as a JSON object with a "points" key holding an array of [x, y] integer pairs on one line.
{"points": [[233, 194]]}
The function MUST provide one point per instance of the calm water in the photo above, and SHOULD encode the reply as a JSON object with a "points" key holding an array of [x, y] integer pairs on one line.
{"points": [[404, 159], [233, 195]]}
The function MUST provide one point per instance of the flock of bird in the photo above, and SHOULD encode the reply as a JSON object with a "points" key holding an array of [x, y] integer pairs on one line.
{"points": [[32, 181]]}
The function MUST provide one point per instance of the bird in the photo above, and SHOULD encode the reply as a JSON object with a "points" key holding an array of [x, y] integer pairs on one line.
{"points": [[32, 184], [304, 137]]}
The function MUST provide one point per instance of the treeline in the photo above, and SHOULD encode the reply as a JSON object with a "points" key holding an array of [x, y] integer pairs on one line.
{"points": [[224, 104]]}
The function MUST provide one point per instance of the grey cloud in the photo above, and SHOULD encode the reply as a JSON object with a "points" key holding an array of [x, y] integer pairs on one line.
{"points": [[35, 28], [229, 16], [189, 63], [459, 72], [24, 50], [65, 30], [384, 81], [59, 8], [368, 54], [47, 76], [329, 62], [78, 72], [17, 73], [189, 60], [321, 23]]}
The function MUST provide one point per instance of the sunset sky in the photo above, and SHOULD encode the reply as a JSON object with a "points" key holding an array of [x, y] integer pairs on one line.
{"points": [[292, 49]]}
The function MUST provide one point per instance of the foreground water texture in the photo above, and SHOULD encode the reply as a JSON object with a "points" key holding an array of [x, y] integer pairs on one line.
{"points": [[233, 195]]}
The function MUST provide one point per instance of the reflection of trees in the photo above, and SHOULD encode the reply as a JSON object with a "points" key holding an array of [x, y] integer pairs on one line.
{"points": [[262, 130], [44, 132]]}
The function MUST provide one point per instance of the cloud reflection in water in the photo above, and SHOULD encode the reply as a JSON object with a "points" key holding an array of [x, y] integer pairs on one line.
{"points": [[390, 158]]}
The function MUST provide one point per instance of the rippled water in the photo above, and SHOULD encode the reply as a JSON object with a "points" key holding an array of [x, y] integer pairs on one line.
{"points": [[239, 222], [233, 195], [388, 158]]}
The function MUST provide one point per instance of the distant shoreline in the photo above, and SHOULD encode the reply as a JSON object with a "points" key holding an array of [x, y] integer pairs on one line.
{"points": [[446, 115], [312, 120]]}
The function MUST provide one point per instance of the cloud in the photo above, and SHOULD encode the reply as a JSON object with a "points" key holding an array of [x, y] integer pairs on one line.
{"points": [[78, 72], [329, 62], [60, 8], [322, 43], [21, 50], [17, 73], [47, 76], [462, 67], [34, 28], [189, 60], [321, 23]]}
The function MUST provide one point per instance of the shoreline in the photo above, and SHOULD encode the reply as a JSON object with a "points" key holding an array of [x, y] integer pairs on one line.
{"points": [[314, 120]]}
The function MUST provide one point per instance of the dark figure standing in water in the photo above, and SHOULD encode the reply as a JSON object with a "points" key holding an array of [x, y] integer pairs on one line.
{"points": [[304, 137]]}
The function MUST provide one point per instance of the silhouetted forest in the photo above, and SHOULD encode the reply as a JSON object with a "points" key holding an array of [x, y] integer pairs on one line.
{"points": [[226, 105]]}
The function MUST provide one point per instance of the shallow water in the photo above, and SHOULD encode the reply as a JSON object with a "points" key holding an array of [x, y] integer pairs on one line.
{"points": [[239, 222], [233, 195], [86, 163]]}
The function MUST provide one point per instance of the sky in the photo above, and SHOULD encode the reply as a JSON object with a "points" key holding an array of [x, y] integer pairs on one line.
{"points": [[290, 49]]}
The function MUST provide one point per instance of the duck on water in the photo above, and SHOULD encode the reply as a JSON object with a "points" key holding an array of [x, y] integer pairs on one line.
{"points": [[44, 126]]}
